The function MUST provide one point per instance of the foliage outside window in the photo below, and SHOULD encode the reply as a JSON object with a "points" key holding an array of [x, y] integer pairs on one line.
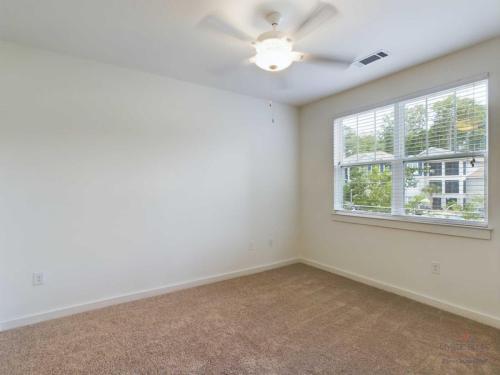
{"points": [[421, 158]]}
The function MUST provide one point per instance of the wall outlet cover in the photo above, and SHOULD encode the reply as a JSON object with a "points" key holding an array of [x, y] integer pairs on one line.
{"points": [[436, 268], [38, 278]]}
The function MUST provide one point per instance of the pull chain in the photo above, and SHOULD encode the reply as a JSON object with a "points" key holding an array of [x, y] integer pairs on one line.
{"points": [[271, 108]]}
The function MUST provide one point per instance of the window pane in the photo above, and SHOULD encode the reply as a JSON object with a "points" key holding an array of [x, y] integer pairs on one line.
{"points": [[368, 136], [461, 198], [415, 127], [451, 187], [434, 169], [447, 122], [417, 168], [437, 204], [385, 133], [452, 168], [440, 121], [368, 188], [471, 117], [350, 131]]}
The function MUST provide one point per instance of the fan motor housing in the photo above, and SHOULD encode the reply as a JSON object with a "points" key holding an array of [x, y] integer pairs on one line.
{"points": [[274, 18]]}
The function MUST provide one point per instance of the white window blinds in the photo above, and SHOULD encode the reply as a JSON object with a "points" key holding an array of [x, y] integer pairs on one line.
{"points": [[423, 158], [448, 122]]}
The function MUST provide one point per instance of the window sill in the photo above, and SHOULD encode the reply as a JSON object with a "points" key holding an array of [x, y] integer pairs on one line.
{"points": [[482, 233]]}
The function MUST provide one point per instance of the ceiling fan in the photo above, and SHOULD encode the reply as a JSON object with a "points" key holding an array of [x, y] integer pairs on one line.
{"points": [[274, 49]]}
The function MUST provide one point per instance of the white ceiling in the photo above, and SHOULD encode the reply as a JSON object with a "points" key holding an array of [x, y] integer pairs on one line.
{"points": [[162, 36]]}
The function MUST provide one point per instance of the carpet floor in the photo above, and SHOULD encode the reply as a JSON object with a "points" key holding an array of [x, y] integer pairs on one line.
{"points": [[292, 320]]}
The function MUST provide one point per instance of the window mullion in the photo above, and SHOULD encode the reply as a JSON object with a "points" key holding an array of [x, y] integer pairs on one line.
{"points": [[338, 137], [427, 126]]}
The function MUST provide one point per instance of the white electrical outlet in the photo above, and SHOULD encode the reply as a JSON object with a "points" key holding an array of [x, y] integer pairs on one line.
{"points": [[270, 242], [251, 246], [38, 278], [436, 268]]}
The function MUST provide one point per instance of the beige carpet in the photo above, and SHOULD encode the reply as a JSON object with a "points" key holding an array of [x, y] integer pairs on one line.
{"points": [[293, 320]]}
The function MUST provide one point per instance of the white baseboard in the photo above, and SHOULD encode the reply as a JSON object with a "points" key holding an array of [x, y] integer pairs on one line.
{"points": [[97, 304], [440, 304], [100, 303]]}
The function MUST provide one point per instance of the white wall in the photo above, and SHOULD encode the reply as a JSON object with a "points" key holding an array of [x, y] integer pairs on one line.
{"points": [[470, 268], [114, 181]]}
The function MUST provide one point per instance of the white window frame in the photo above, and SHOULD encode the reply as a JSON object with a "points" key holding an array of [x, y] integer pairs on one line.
{"points": [[397, 164]]}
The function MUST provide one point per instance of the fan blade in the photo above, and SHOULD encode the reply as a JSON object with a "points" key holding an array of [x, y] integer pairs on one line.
{"points": [[229, 68], [320, 15], [219, 25], [327, 60]]}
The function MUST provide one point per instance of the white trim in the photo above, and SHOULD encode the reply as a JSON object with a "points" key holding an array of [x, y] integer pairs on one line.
{"points": [[128, 297], [416, 219], [413, 159], [97, 304], [428, 225], [486, 156], [463, 311]]}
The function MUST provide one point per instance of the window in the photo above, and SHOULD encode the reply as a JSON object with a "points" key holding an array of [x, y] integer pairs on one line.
{"points": [[451, 187], [367, 141], [434, 169], [368, 189], [451, 203], [452, 168], [436, 204], [435, 187], [392, 160]]}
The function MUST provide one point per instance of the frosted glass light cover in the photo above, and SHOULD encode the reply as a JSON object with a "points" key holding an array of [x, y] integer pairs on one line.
{"points": [[274, 54]]}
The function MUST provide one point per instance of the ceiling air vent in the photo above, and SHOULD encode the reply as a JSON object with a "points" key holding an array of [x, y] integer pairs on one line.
{"points": [[372, 58]]}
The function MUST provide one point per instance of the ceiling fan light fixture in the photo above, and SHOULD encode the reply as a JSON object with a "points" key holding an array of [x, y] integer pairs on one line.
{"points": [[274, 54], [274, 49]]}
